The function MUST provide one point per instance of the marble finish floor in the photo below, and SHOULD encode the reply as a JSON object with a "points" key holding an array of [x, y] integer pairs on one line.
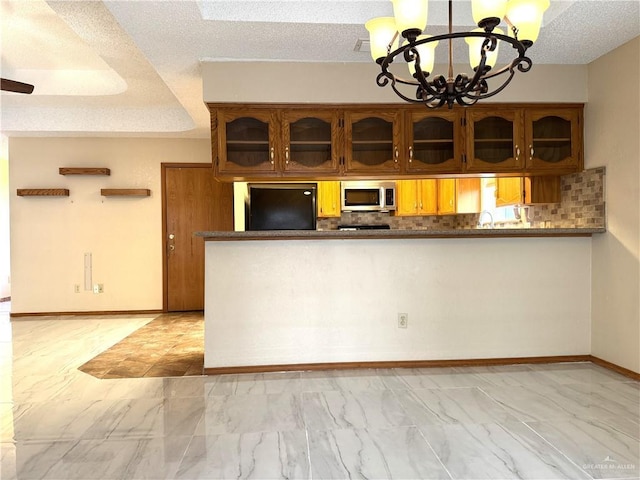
{"points": [[575, 421], [171, 345]]}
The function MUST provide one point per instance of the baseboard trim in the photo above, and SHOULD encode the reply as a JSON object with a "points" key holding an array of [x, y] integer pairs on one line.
{"points": [[616, 368], [92, 313], [475, 362]]}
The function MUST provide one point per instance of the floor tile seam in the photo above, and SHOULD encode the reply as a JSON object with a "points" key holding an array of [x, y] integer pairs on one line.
{"points": [[605, 422], [499, 404], [308, 445], [408, 415], [434, 452], [548, 442]]}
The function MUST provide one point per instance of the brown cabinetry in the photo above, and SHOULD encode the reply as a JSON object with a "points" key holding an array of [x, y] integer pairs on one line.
{"points": [[493, 141], [552, 139], [246, 141], [270, 142], [528, 139], [434, 141], [310, 141], [373, 142], [386, 141]]}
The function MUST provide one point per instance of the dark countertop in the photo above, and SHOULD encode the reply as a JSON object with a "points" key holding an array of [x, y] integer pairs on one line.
{"points": [[391, 234]]}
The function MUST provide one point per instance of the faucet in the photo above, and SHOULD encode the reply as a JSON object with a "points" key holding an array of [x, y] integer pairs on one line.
{"points": [[487, 212]]}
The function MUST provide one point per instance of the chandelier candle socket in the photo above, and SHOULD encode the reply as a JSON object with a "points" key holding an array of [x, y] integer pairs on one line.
{"points": [[523, 19]]}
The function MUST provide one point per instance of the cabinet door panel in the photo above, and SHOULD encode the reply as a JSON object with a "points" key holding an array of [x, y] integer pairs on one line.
{"points": [[329, 199], [372, 142], [446, 196], [434, 141], [310, 141], [509, 191], [428, 199], [553, 139], [407, 191], [494, 141], [246, 141]]}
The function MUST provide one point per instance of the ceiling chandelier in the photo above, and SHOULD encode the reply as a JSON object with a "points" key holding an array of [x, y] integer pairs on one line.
{"points": [[522, 17]]}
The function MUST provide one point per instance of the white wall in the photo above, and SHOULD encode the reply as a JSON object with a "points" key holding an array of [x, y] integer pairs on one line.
{"points": [[612, 119], [5, 257], [355, 83], [280, 302], [49, 236]]}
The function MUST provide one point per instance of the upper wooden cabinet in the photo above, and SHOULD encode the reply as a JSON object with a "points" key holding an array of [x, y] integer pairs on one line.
{"points": [[434, 141], [324, 142], [373, 142], [527, 139], [246, 141], [310, 141], [277, 141], [494, 140], [553, 139]]}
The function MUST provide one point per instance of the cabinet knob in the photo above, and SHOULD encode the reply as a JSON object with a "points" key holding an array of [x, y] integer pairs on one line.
{"points": [[517, 153], [396, 154], [286, 155], [272, 154], [531, 151], [410, 154]]}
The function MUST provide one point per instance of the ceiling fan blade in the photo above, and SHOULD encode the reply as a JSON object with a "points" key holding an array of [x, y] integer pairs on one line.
{"points": [[13, 86]]}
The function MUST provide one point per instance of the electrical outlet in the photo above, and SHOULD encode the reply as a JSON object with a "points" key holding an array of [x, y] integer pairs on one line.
{"points": [[76, 288], [98, 288], [403, 320]]}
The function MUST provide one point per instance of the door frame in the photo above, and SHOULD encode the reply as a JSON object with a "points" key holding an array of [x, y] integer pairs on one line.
{"points": [[165, 265]]}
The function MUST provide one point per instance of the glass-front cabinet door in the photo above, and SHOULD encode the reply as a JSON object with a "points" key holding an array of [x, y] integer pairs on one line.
{"points": [[310, 141], [552, 139], [434, 141], [494, 140], [373, 144], [246, 141]]}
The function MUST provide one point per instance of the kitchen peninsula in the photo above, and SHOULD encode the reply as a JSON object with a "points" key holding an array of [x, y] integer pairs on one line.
{"points": [[281, 300]]}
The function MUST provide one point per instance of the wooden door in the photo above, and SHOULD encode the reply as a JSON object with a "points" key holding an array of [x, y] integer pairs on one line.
{"points": [[193, 201]]}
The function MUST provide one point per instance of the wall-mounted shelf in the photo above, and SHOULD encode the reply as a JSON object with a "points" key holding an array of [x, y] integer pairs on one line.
{"points": [[126, 192], [43, 192], [84, 171]]}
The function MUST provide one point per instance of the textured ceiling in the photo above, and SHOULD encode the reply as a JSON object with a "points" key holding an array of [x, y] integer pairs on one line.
{"points": [[133, 67]]}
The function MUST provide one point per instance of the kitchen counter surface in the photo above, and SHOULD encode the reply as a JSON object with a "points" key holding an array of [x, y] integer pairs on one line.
{"points": [[391, 234]]}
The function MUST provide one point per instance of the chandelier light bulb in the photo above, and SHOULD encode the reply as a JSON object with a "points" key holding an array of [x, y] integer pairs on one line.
{"points": [[526, 16], [475, 49], [486, 9], [411, 16], [427, 56], [381, 33]]}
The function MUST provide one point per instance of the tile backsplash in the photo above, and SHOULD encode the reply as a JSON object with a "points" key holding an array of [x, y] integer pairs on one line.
{"points": [[582, 205]]}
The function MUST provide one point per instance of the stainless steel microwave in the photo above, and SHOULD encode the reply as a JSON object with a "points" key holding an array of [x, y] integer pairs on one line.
{"points": [[368, 196]]}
